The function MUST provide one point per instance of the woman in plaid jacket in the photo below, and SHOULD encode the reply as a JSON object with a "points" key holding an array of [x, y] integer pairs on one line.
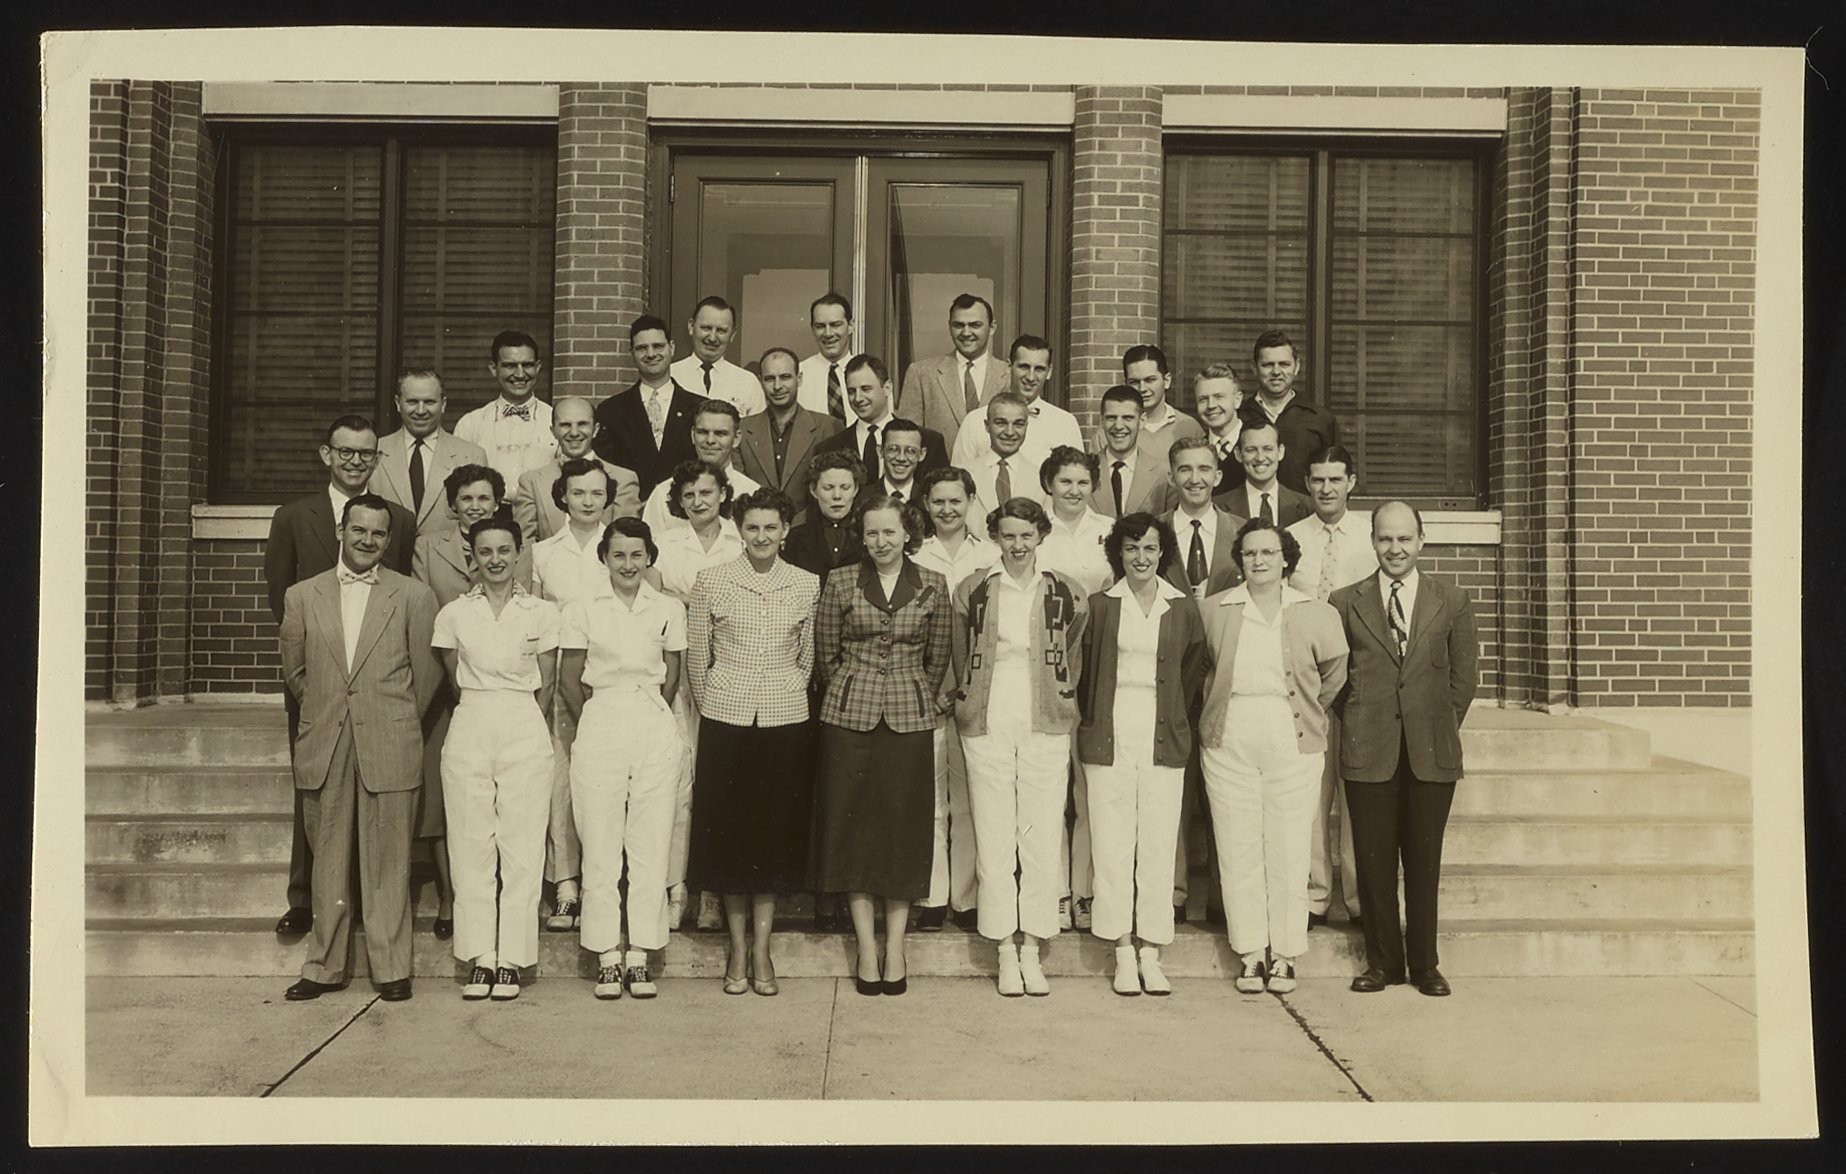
{"points": [[882, 645]]}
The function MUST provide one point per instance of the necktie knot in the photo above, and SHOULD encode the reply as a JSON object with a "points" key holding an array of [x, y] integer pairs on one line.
{"points": [[369, 576]]}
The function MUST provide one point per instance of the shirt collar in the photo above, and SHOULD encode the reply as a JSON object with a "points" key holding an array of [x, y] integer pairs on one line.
{"points": [[1241, 594], [1410, 582], [1163, 590], [1160, 419], [1008, 582], [479, 591], [1263, 403]]}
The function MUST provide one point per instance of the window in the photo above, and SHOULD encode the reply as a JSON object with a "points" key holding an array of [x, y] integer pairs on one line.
{"points": [[348, 256], [1372, 261]]}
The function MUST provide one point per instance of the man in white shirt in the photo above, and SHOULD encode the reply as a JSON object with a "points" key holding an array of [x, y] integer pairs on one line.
{"points": [[1145, 369], [868, 394], [940, 392], [1130, 480], [706, 371], [513, 429], [413, 461], [714, 441], [1217, 397], [1336, 550], [999, 471], [823, 375], [1050, 424], [1260, 451], [573, 423]]}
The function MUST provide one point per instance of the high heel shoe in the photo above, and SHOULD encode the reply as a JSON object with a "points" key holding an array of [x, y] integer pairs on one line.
{"points": [[764, 986], [894, 986], [736, 986], [866, 986]]}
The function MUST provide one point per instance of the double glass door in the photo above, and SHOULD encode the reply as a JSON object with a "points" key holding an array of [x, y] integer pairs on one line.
{"points": [[899, 237]]}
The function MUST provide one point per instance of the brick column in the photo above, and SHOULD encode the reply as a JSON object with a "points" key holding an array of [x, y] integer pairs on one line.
{"points": [[601, 276], [1115, 236]]}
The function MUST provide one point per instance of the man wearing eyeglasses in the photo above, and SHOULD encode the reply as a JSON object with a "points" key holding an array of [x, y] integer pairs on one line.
{"points": [[304, 541]]}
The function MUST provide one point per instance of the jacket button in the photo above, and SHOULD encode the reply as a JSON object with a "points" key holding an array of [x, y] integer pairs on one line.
{"points": [[1300, 734]]}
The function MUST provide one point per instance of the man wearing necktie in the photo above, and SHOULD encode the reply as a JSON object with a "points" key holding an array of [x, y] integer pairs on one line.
{"points": [[823, 374], [1260, 452], [356, 657], [1216, 399], [1132, 481], [647, 426], [413, 461], [868, 394], [939, 392], [706, 371], [514, 429], [1412, 678]]}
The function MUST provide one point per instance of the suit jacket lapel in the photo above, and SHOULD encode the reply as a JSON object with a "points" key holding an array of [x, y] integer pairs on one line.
{"points": [[378, 605], [1423, 615], [1371, 613], [436, 470], [1224, 572], [325, 606], [322, 522], [804, 433]]}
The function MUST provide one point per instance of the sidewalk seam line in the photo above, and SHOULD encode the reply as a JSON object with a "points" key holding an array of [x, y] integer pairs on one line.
{"points": [[826, 1066], [302, 1063], [1324, 1049], [1723, 996]]}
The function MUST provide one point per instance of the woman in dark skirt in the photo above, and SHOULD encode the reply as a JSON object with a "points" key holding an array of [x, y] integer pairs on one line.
{"points": [[882, 639], [749, 651]]}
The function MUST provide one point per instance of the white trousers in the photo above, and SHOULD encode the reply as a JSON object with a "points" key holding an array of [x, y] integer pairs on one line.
{"points": [[624, 783], [1320, 865], [496, 790], [951, 869], [1134, 815], [1262, 790], [563, 851], [1074, 865], [1016, 787], [680, 843]]}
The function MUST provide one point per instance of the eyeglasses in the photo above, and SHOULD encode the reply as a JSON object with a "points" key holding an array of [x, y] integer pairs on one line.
{"points": [[1266, 552], [354, 456], [908, 450]]}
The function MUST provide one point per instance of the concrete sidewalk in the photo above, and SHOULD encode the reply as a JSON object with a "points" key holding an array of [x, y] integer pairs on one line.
{"points": [[1495, 1039]]}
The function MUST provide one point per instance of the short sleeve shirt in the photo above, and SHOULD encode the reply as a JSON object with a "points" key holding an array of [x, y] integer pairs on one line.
{"points": [[625, 645], [497, 653], [1078, 550], [565, 572]]}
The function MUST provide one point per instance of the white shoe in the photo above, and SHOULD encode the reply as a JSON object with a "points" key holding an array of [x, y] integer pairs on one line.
{"points": [[1281, 975], [1127, 981], [1250, 978], [1011, 982], [676, 906], [1080, 914], [480, 982], [711, 913], [608, 982], [638, 979], [1153, 978], [1064, 920], [506, 984], [1031, 973]]}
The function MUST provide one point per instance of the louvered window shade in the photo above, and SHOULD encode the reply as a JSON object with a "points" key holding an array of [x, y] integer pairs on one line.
{"points": [[345, 262], [1372, 263]]}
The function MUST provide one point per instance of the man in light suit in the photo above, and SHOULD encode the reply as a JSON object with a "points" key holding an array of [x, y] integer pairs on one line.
{"points": [[573, 422], [1260, 452], [1132, 480], [822, 376], [356, 656], [647, 426], [413, 461], [304, 540], [1413, 677], [939, 393], [775, 447]]}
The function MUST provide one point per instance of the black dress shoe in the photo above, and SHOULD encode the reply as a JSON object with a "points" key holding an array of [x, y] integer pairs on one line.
{"points": [[1179, 915], [868, 986], [1375, 980], [395, 991], [968, 919], [1316, 920], [930, 918], [307, 989], [1431, 983], [444, 928], [296, 921], [895, 986]]}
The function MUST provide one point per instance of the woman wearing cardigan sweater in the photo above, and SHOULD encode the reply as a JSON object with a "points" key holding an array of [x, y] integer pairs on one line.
{"points": [[1143, 663], [1279, 659], [1018, 629]]}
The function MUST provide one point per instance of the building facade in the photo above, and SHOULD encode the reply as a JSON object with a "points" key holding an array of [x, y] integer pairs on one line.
{"points": [[1532, 309]]}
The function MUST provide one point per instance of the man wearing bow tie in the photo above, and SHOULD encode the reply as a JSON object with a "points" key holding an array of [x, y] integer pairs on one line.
{"points": [[1047, 425], [356, 657], [514, 429]]}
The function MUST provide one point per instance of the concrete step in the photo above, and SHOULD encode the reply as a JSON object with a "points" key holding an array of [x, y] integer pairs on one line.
{"points": [[197, 790], [1590, 842], [189, 839], [1518, 740], [188, 735], [1668, 787], [1470, 948], [157, 891], [1653, 891]]}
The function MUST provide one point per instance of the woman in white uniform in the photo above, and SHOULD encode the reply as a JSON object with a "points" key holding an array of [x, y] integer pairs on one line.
{"points": [[1143, 663], [499, 644], [1016, 639], [565, 569], [623, 651], [1279, 659]]}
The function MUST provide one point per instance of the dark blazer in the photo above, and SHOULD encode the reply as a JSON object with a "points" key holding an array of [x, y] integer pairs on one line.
{"points": [[818, 546], [756, 451], [935, 452], [302, 543], [1422, 697], [878, 659], [1225, 572], [625, 438], [1303, 428], [1290, 506], [1179, 674]]}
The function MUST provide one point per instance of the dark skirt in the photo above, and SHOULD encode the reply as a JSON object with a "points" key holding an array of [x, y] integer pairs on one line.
{"points": [[431, 822], [752, 797], [874, 812]]}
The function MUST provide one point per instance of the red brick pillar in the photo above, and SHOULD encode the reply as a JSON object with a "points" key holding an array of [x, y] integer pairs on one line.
{"points": [[1117, 174], [600, 283]]}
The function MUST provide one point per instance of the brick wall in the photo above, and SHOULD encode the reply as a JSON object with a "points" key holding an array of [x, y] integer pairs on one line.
{"points": [[108, 165], [1476, 569], [1661, 396], [233, 634], [600, 283]]}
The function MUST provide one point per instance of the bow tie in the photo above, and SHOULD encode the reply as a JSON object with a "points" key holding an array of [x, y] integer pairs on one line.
{"points": [[369, 577], [523, 411]]}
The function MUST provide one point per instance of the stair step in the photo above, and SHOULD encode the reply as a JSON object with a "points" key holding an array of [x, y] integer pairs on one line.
{"points": [[1470, 948], [199, 790], [189, 839], [1655, 891], [1509, 740], [188, 735], [1592, 841], [156, 891], [1668, 787]]}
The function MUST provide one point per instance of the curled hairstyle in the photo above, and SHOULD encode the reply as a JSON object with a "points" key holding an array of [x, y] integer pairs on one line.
{"points": [[500, 519], [628, 528], [465, 475], [941, 473], [578, 467], [837, 458], [910, 516], [1026, 510], [686, 473], [1062, 456], [1291, 550], [1133, 528], [511, 339], [366, 501], [765, 499]]}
